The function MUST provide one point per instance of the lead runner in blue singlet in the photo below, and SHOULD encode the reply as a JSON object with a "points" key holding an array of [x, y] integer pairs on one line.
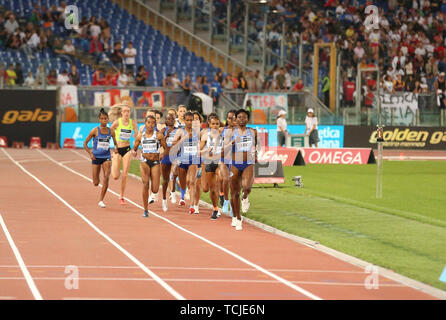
{"points": [[151, 140], [100, 155], [244, 156]]}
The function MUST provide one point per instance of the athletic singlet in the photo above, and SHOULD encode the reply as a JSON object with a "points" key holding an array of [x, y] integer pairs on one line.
{"points": [[101, 144], [124, 133], [170, 137], [211, 143], [178, 124], [244, 144], [150, 145], [189, 149]]}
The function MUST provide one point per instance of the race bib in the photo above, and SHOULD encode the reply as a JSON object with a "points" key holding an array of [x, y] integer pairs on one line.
{"points": [[149, 146], [125, 134], [104, 143], [244, 144], [169, 141], [190, 149]]}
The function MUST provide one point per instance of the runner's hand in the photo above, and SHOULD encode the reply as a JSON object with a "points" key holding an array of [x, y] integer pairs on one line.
{"points": [[92, 156], [116, 150], [134, 153]]}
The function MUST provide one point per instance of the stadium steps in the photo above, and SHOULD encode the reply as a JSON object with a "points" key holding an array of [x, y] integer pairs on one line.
{"points": [[168, 12]]}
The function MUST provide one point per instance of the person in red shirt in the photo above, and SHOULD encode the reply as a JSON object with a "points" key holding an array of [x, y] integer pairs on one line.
{"points": [[299, 86], [349, 89], [439, 51], [111, 79], [98, 79], [96, 48]]}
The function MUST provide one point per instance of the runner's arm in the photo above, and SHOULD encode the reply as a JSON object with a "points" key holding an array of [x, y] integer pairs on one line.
{"points": [[93, 133], [114, 140]]}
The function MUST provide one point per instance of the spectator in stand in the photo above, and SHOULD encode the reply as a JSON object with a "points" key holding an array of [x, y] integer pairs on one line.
{"points": [[250, 80], [287, 79], [98, 78], [19, 73], [280, 80], [399, 84], [130, 54], [216, 90], [235, 81], [205, 85], [62, 78], [29, 80], [52, 78], [96, 48], [74, 76], [95, 29], [176, 82], [105, 34], [117, 56], [11, 76], [227, 82], [32, 43], [111, 78], [258, 81], [359, 52], [187, 89], [299, 86], [349, 90], [122, 80], [131, 81], [69, 50], [141, 77], [11, 25], [58, 49], [242, 84], [388, 84], [15, 42], [40, 76], [168, 83], [198, 85]]}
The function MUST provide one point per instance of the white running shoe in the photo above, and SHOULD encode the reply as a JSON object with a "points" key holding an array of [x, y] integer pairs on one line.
{"points": [[245, 205], [102, 204], [218, 214], [155, 197], [238, 224], [151, 199], [197, 209], [173, 198], [164, 205], [234, 222]]}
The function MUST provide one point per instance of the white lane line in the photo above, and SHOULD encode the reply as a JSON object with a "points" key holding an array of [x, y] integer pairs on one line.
{"points": [[26, 274], [195, 268], [91, 298], [125, 252], [328, 283], [272, 275]]}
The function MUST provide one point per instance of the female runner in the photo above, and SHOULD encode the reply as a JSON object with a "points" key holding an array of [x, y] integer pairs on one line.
{"points": [[244, 155], [166, 163], [123, 128], [198, 118], [100, 156], [188, 139], [151, 141], [211, 148]]}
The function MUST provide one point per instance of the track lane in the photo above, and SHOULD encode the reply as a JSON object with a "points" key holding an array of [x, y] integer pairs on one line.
{"points": [[275, 252]]}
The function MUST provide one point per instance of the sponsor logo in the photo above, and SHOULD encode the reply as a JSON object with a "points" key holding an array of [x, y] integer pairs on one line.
{"points": [[409, 137], [336, 156], [269, 156], [12, 116]]}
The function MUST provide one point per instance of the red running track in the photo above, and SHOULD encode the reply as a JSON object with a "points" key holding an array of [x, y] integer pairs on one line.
{"points": [[51, 215]]}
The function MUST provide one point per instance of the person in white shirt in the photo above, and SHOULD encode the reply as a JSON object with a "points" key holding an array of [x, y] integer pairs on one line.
{"points": [[282, 131], [29, 80], [359, 51], [62, 79], [130, 54], [95, 30], [123, 79], [311, 128], [176, 82]]}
